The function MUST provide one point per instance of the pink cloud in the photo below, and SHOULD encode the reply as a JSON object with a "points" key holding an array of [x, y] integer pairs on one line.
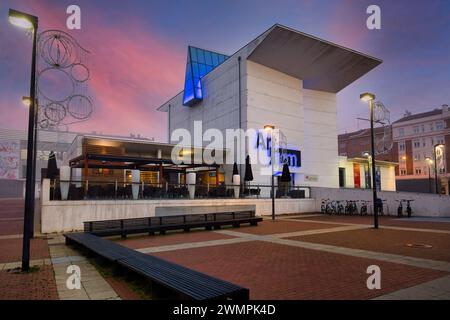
{"points": [[132, 71]]}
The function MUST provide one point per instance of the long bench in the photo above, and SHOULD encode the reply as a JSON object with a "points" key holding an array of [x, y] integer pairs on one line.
{"points": [[162, 224], [184, 281]]}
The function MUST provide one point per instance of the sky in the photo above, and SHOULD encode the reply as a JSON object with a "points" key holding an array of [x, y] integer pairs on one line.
{"points": [[138, 53]]}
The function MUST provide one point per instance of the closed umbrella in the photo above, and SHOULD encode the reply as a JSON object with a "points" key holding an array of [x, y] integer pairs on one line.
{"points": [[248, 170], [286, 175], [52, 168], [235, 169]]}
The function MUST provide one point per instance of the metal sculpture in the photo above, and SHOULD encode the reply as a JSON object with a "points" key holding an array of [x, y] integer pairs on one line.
{"points": [[63, 61], [381, 114]]}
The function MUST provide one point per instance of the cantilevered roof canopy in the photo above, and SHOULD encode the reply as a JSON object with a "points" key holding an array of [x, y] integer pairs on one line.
{"points": [[321, 65]]}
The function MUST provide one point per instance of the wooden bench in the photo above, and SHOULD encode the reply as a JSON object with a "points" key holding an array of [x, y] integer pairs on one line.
{"points": [[186, 282], [162, 224]]}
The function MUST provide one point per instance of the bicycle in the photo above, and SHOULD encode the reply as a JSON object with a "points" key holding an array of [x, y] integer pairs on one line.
{"points": [[323, 206], [363, 209], [408, 207], [400, 208], [339, 207]]}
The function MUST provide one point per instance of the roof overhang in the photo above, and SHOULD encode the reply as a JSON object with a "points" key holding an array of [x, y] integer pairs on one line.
{"points": [[322, 65]]}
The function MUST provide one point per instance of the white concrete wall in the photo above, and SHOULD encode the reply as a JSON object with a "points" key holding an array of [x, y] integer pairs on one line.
{"points": [[66, 216], [273, 98], [424, 204], [320, 152]]}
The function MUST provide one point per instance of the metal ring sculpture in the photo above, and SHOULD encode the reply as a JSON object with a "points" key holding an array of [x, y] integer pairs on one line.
{"points": [[382, 115], [60, 54]]}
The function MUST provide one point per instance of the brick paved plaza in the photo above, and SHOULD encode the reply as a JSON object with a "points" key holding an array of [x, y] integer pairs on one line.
{"points": [[295, 257]]}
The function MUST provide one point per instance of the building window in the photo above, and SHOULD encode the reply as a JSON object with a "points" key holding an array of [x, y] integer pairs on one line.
{"points": [[439, 125], [431, 127], [440, 140], [403, 172], [416, 157], [416, 144], [416, 129], [418, 171], [401, 146], [342, 177], [422, 127], [424, 143], [401, 132]]}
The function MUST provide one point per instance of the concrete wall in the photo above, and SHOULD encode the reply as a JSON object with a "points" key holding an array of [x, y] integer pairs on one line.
{"points": [[273, 98], [320, 151], [65, 216], [426, 205]]}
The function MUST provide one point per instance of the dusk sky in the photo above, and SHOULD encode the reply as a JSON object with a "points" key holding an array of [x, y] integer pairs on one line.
{"points": [[138, 52]]}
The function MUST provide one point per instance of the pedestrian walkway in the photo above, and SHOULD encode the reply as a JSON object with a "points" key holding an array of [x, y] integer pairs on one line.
{"points": [[93, 285]]}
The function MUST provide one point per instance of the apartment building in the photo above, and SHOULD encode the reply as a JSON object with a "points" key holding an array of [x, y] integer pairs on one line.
{"points": [[415, 136], [421, 140]]}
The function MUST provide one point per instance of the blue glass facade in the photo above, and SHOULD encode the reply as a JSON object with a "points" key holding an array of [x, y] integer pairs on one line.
{"points": [[199, 63]]}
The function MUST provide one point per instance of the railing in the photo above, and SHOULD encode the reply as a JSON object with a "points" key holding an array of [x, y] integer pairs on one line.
{"points": [[115, 190]]}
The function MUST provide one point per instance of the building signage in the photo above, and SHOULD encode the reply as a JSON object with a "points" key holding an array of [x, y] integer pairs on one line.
{"points": [[291, 157]]}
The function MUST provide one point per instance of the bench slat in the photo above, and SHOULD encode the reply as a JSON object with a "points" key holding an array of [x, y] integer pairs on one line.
{"points": [[191, 283]]}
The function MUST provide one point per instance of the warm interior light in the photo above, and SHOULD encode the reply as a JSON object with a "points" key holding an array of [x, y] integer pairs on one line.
{"points": [[366, 97], [269, 127], [404, 158], [26, 101], [21, 22]]}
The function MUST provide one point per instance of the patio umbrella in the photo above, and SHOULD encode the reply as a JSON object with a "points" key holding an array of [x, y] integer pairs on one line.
{"points": [[285, 175], [235, 169], [248, 170], [52, 168]]}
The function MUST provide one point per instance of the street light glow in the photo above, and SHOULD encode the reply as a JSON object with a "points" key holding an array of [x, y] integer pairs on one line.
{"points": [[21, 19], [26, 101], [366, 96], [269, 127]]}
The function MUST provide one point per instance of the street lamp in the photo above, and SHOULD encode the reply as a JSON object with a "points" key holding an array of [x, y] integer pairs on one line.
{"points": [[430, 163], [270, 128], [369, 97], [435, 165], [30, 22]]}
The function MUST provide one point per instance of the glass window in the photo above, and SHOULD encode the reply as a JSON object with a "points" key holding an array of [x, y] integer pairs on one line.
{"points": [[208, 59], [418, 171], [439, 125], [401, 132], [200, 63], [416, 129], [401, 146], [416, 144], [422, 127]]}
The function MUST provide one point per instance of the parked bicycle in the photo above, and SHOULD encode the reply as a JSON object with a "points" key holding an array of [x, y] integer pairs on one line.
{"points": [[408, 207], [400, 208], [363, 209], [351, 207]]}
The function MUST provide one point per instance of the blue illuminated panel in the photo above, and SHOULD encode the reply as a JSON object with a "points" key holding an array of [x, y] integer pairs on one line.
{"points": [[199, 63]]}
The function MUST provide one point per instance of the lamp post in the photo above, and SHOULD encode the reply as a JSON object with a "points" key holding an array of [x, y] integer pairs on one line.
{"points": [[27, 102], [429, 162], [369, 97], [29, 22], [435, 165], [270, 129]]}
